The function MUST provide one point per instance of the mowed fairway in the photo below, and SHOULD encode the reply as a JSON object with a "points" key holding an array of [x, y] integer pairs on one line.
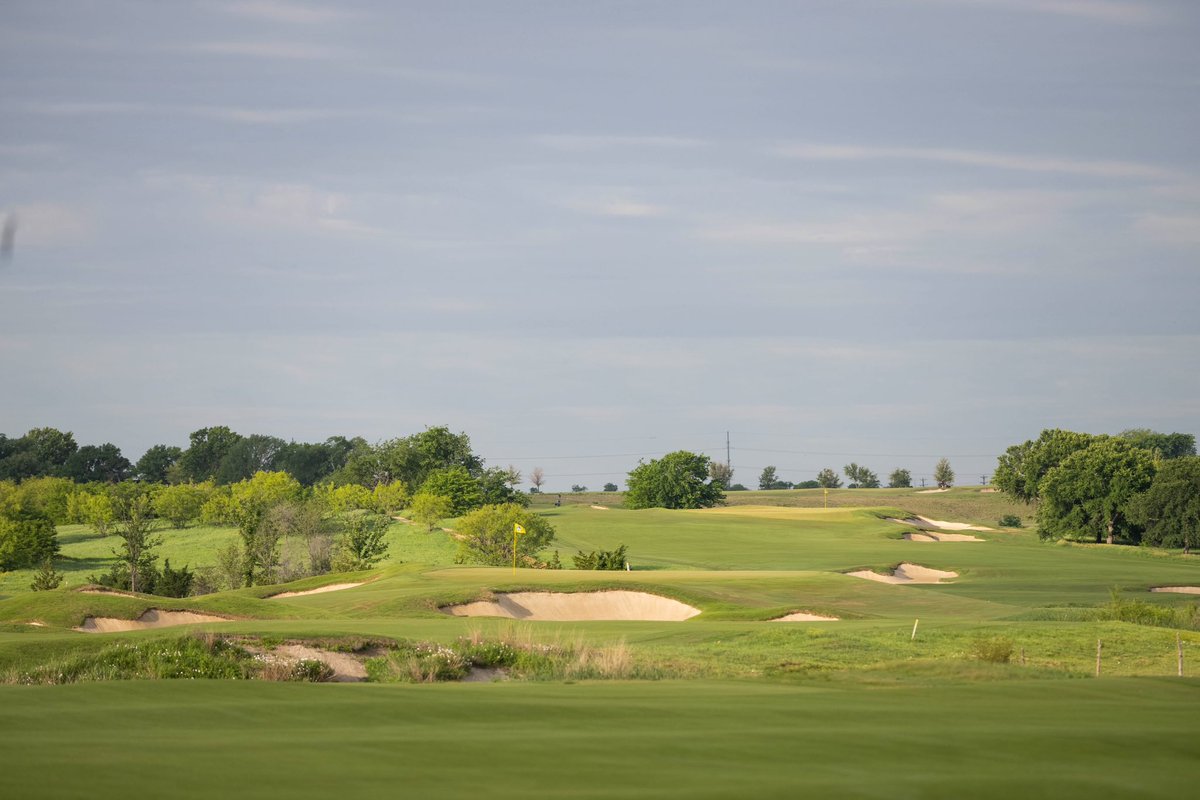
{"points": [[674, 740], [728, 703]]}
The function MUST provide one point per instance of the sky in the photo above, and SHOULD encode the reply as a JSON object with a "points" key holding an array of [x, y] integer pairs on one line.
{"points": [[879, 231]]}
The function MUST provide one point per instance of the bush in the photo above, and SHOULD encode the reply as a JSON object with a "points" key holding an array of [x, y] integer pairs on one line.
{"points": [[603, 559], [487, 535], [46, 578], [1010, 521], [997, 649]]}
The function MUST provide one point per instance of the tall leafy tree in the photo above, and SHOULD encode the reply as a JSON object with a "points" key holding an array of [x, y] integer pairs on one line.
{"points": [[248, 455], [456, 484], [943, 475], [677, 480], [97, 463], [487, 535], [1089, 494], [208, 448], [1020, 470], [900, 479], [1164, 445], [828, 479], [768, 478], [1170, 509], [155, 463]]}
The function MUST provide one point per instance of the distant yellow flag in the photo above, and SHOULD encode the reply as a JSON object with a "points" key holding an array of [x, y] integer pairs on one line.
{"points": [[517, 528]]}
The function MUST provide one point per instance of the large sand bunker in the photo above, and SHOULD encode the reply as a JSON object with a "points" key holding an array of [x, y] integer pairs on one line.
{"points": [[906, 573], [930, 536], [110, 592], [151, 619], [804, 616], [926, 523], [932, 491], [333, 587], [578, 606], [1177, 589]]}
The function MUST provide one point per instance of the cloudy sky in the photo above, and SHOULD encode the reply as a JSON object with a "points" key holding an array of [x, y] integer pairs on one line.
{"points": [[879, 231]]}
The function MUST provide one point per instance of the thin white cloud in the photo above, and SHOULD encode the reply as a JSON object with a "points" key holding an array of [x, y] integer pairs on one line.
{"points": [[1112, 11], [1173, 229], [287, 12], [293, 51], [977, 158], [239, 114], [47, 224], [575, 142]]}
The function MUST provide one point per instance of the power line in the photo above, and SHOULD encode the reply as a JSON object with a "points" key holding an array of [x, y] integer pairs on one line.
{"points": [[867, 455]]}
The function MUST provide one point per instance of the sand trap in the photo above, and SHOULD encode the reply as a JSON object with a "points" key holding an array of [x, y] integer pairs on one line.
{"points": [[932, 491], [600, 508], [333, 587], [346, 668], [804, 616], [578, 606], [906, 573], [988, 490], [36, 624], [926, 523], [1177, 589], [112, 592], [151, 619], [929, 536]]}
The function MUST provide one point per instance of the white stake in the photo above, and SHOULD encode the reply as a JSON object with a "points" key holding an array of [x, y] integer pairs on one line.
{"points": [[916, 622]]}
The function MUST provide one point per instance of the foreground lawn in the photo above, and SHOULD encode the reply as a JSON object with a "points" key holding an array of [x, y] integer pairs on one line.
{"points": [[1051, 739]]}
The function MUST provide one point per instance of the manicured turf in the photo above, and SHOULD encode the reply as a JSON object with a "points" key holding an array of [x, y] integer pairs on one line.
{"points": [[1090, 739]]}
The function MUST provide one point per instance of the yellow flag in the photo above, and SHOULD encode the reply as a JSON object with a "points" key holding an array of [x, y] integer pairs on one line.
{"points": [[517, 528]]}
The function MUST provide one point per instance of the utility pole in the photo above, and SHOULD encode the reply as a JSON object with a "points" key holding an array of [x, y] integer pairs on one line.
{"points": [[922, 483], [983, 480]]}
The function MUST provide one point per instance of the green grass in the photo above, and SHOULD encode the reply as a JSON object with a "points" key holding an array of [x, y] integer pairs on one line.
{"points": [[1095, 739]]}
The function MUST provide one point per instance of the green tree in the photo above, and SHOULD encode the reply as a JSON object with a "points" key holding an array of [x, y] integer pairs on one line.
{"points": [[202, 459], [361, 544], [27, 537], [249, 502], [389, 498], [900, 479], [181, 503], [135, 521], [943, 475], [348, 497], [719, 472], [174, 582], [495, 487], [1164, 445], [861, 477], [248, 455], [47, 577], [155, 464], [487, 535], [97, 463], [458, 485], [95, 509], [1020, 470], [828, 479], [677, 480], [1170, 509], [429, 509], [1090, 492], [611, 487], [768, 478]]}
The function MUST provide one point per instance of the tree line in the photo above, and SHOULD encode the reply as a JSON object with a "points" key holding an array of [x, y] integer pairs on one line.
{"points": [[1138, 486], [859, 477]]}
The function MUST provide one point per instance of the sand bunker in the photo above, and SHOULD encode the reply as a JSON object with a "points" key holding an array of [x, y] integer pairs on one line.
{"points": [[1177, 589], [804, 616], [926, 522], [346, 668], [906, 573], [600, 508], [932, 491], [333, 587], [578, 606], [112, 592], [151, 619], [941, 537]]}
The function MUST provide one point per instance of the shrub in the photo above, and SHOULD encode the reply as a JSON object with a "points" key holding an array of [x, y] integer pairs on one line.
{"points": [[487, 535], [602, 559], [996, 649], [46, 578], [1010, 521]]}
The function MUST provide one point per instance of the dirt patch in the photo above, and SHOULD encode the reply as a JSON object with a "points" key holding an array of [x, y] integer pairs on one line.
{"points": [[600, 508], [346, 668], [988, 490], [578, 606], [1177, 589], [804, 616], [333, 587], [36, 624], [906, 573], [154, 618], [485, 675]]}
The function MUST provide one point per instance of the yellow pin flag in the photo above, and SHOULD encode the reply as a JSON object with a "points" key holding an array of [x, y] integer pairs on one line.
{"points": [[517, 528]]}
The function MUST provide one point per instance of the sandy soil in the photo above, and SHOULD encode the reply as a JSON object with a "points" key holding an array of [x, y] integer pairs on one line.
{"points": [[600, 508], [906, 573], [926, 523], [333, 587], [36, 624], [804, 616], [929, 536], [151, 619], [988, 490], [112, 592], [346, 668], [932, 491], [1177, 589], [578, 606]]}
